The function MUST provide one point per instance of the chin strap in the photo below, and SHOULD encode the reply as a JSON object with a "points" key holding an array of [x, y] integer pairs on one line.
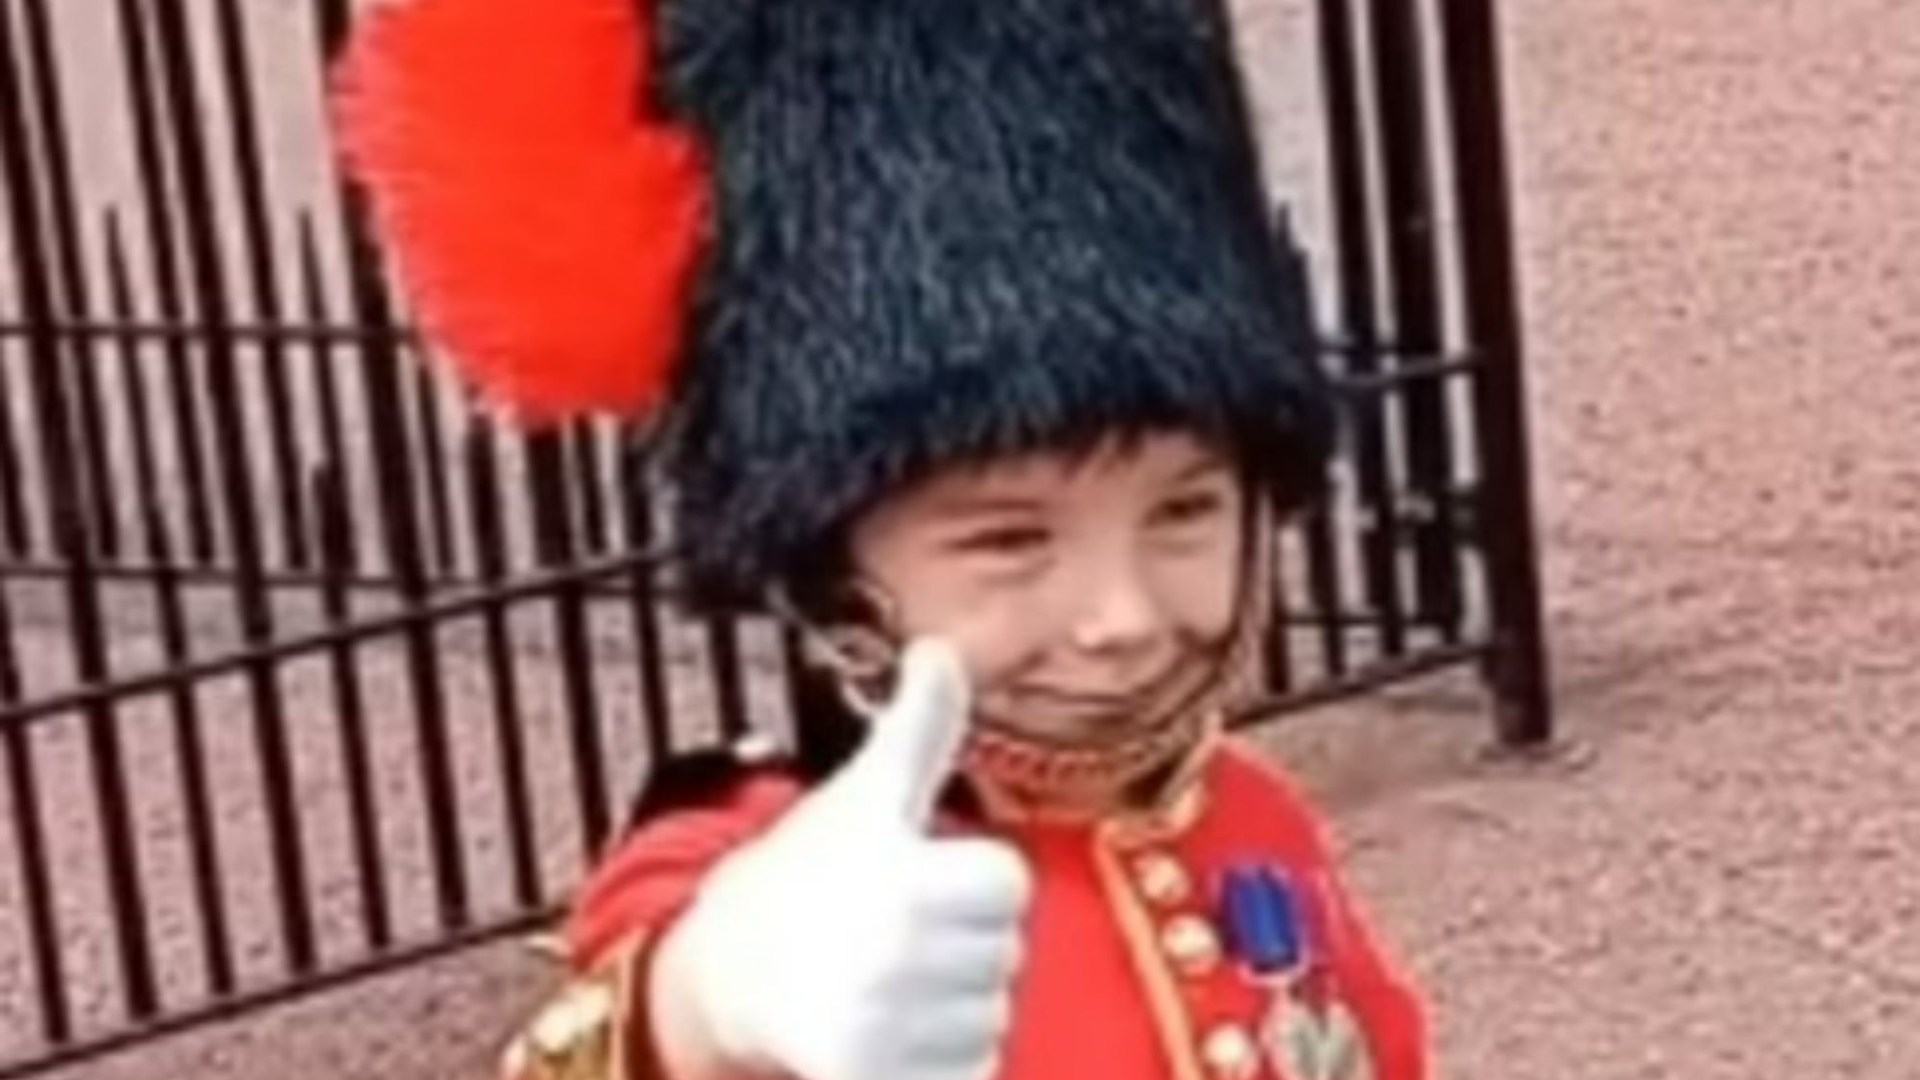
{"points": [[859, 648], [1162, 794]]}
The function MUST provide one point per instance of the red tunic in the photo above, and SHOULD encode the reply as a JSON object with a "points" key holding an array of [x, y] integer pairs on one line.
{"points": [[1127, 977]]}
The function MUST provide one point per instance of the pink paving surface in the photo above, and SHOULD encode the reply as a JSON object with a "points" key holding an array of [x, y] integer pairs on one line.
{"points": [[1718, 216], [1719, 223]]}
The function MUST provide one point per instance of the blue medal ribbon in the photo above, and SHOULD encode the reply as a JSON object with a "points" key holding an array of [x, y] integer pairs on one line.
{"points": [[1263, 922]]}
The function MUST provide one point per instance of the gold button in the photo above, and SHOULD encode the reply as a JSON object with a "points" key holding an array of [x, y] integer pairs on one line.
{"points": [[1191, 944], [1161, 879], [1230, 1053]]}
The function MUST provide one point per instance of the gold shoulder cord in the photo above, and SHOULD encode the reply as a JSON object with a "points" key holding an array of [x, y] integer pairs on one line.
{"points": [[583, 1031]]}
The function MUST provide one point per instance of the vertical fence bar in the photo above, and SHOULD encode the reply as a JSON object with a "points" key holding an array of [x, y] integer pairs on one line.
{"points": [[141, 438], [16, 532], [549, 497], [334, 522], [71, 531], [383, 376], [1276, 649], [94, 464], [594, 520], [729, 693], [326, 394], [251, 605], [723, 644], [547, 482], [1517, 666], [333, 519], [1323, 585], [156, 192], [492, 563], [383, 373], [257, 235], [432, 447], [807, 696], [1359, 316], [1406, 151], [36, 881], [802, 690], [175, 641], [29, 830], [1319, 527], [12, 683], [637, 509]]}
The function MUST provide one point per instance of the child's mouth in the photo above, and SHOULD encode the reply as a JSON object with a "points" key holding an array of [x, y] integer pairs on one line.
{"points": [[1088, 719]]}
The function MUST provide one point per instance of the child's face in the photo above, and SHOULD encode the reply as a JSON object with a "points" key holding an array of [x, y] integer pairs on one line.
{"points": [[1076, 588]]}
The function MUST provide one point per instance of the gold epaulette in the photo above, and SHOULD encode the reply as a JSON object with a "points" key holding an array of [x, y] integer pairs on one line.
{"points": [[583, 1030]]}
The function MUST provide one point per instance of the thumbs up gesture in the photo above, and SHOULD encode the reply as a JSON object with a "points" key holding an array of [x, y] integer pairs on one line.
{"points": [[847, 943]]}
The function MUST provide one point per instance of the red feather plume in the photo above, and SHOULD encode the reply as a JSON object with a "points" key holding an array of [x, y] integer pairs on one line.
{"points": [[547, 219]]}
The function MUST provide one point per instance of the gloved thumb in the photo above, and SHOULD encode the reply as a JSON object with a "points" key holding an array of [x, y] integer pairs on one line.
{"points": [[914, 743]]}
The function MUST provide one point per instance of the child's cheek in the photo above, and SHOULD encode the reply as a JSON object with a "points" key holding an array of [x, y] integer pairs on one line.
{"points": [[1200, 595], [998, 637], [1205, 615]]}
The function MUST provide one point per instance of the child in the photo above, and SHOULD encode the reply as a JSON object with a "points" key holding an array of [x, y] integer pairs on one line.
{"points": [[970, 350]]}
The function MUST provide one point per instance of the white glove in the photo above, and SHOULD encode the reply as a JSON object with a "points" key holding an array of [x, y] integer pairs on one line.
{"points": [[846, 944]]}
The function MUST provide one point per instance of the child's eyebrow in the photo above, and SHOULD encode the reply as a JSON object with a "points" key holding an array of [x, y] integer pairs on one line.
{"points": [[957, 506], [1203, 467]]}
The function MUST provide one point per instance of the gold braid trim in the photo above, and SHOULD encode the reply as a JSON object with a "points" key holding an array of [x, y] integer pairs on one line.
{"points": [[1171, 1020]]}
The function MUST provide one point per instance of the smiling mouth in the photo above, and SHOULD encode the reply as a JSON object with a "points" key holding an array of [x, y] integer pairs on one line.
{"points": [[1084, 717], [1106, 701], [1064, 707]]}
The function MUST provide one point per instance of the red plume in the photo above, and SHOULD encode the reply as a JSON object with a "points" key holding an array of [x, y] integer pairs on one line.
{"points": [[547, 219]]}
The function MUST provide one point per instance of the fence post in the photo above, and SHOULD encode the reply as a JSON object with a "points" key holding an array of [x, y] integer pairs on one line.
{"points": [[1516, 668]]}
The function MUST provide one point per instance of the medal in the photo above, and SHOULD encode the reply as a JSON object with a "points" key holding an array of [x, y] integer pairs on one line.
{"points": [[1306, 1033], [1306, 1046]]}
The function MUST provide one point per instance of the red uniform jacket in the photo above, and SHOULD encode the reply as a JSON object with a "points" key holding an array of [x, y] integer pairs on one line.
{"points": [[1128, 973]]}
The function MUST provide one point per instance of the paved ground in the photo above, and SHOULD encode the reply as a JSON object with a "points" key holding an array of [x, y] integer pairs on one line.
{"points": [[1719, 220], [1719, 227]]}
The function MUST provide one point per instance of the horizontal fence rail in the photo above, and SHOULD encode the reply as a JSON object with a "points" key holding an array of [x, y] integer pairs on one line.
{"points": [[308, 670]]}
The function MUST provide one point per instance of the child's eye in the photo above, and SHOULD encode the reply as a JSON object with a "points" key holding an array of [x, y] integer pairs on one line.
{"points": [[1188, 509], [1004, 540]]}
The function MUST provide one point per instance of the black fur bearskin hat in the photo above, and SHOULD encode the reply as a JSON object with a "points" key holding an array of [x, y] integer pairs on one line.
{"points": [[884, 236]]}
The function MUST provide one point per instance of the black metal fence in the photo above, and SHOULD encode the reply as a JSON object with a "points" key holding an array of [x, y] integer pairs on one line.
{"points": [[308, 671]]}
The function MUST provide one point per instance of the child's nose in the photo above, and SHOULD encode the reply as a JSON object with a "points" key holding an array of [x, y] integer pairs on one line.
{"points": [[1117, 613]]}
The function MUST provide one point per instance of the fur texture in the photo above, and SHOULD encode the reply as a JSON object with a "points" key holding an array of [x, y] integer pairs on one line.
{"points": [[950, 229], [546, 217]]}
